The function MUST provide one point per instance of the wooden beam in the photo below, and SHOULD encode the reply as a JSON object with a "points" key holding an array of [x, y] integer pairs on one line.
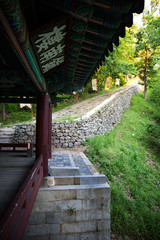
{"points": [[96, 21], [101, 5], [85, 41], [88, 49], [79, 64], [81, 60], [17, 100], [92, 32]]}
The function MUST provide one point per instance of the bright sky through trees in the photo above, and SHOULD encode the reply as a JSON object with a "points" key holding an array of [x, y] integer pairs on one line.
{"points": [[138, 18]]}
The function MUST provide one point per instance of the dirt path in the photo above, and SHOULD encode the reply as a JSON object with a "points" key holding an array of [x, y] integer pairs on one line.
{"points": [[79, 109]]}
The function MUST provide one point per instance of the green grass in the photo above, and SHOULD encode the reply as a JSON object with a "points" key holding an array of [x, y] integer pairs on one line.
{"points": [[16, 117], [71, 119], [129, 157]]}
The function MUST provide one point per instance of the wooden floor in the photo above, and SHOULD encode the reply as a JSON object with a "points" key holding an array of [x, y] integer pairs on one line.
{"points": [[14, 168]]}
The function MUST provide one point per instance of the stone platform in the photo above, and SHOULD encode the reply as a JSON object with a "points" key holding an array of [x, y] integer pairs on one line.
{"points": [[72, 205], [70, 164]]}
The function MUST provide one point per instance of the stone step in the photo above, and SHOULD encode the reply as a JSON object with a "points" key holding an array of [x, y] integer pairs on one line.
{"points": [[6, 136], [6, 133], [6, 139], [64, 171], [73, 180], [6, 129]]}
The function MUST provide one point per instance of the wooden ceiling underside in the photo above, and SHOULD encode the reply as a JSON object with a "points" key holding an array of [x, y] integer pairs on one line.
{"points": [[67, 41]]}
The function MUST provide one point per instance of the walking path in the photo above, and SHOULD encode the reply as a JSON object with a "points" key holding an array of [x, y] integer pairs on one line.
{"points": [[79, 109]]}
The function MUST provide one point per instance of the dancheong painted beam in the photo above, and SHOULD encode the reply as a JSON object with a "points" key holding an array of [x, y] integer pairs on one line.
{"points": [[46, 42]]}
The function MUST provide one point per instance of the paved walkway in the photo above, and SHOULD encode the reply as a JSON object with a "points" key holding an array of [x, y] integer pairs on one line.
{"points": [[67, 159], [79, 109]]}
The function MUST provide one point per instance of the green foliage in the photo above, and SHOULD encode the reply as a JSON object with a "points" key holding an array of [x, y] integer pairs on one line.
{"points": [[155, 95], [12, 107], [15, 114], [132, 171], [148, 47], [120, 62]]}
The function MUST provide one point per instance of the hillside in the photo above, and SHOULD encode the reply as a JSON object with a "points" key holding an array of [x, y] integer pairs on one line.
{"points": [[129, 156]]}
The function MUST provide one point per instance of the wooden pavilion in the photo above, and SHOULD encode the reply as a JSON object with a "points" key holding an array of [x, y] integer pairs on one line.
{"points": [[49, 47]]}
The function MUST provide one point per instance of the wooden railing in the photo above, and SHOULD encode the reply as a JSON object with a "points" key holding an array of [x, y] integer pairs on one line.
{"points": [[13, 147], [14, 220]]}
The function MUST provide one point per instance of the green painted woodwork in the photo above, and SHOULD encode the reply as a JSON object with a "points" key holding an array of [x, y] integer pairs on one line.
{"points": [[91, 31]]}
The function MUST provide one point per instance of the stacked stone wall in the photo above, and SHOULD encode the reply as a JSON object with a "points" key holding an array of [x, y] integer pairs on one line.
{"points": [[67, 212], [73, 133]]}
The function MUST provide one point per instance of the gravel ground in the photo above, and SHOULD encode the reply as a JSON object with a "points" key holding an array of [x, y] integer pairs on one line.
{"points": [[79, 109]]}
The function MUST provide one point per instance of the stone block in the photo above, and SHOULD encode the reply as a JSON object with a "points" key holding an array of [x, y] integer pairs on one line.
{"points": [[60, 180], [44, 237], [43, 207], [89, 236], [85, 215], [64, 171], [65, 237], [48, 182], [96, 204], [94, 191], [65, 145], [103, 225], [37, 218], [43, 229], [70, 144], [86, 226], [77, 181], [77, 143], [61, 217], [49, 194], [104, 235], [65, 205]]}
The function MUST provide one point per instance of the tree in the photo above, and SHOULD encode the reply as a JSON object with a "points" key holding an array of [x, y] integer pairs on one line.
{"points": [[120, 62], [148, 47]]}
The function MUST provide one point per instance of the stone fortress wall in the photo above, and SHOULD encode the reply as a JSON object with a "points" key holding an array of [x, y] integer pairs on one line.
{"points": [[98, 121]]}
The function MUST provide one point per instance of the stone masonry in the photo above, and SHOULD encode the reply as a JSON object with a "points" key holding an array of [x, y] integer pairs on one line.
{"points": [[99, 121], [77, 212], [71, 207]]}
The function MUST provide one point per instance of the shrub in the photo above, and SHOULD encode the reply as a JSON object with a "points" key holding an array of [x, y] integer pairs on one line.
{"points": [[11, 107], [154, 95]]}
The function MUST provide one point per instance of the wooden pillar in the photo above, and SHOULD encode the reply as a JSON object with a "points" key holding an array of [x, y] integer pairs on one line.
{"points": [[50, 130], [42, 130]]}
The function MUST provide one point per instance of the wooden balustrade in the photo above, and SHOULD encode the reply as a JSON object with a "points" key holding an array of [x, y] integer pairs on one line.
{"points": [[14, 220]]}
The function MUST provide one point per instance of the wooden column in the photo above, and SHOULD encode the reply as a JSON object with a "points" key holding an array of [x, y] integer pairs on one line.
{"points": [[50, 130], [42, 130]]}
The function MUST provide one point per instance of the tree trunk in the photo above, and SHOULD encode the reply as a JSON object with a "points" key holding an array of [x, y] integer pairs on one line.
{"points": [[3, 112], [145, 74]]}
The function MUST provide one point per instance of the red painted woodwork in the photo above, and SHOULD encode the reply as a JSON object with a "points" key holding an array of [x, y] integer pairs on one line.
{"points": [[95, 21], [92, 32], [14, 220], [42, 129], [16, 147], [50, 131], [101, 5]]}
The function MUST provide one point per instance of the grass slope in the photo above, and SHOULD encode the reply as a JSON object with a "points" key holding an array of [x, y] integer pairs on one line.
{"points": [[129, 157]]}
